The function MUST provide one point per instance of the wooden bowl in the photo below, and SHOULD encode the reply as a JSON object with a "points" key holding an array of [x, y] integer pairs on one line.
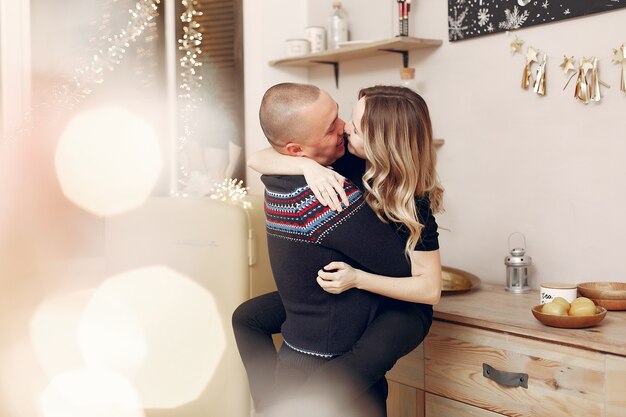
{"points": [[610, 304], [454, 281], [569, 322], [603, 290]]}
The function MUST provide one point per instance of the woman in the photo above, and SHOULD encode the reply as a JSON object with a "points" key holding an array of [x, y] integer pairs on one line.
{"points": [[391, 129]]}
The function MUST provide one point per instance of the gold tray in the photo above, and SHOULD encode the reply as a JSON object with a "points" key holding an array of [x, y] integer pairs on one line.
{"points": [[454, 281]]}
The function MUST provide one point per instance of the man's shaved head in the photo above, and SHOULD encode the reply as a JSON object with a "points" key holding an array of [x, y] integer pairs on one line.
{"points": [[281, 109]]}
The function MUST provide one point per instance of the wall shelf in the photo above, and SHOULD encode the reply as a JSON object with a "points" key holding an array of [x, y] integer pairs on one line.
{"points": [[364, 50], [399, 44]]}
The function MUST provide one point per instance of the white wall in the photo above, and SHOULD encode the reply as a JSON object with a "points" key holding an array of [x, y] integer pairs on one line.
{"points": [[267, 24], [549, 167]]}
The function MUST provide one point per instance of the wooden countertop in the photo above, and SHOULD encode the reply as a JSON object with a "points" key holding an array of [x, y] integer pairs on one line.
{"points": [[491, 307]]}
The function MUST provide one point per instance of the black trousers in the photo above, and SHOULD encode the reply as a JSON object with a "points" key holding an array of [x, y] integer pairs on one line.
{"points": [[398, 328], [298, 398]]}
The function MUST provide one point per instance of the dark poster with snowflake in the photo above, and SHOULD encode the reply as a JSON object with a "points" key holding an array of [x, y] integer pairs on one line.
{"points": [[471, 18]]}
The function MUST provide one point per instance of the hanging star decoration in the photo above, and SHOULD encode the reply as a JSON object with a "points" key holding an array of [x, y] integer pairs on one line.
{"points": [[540, 77], [516, 45], [531, 56], [568, 64], [594, 85], [587, 89], [619, 54], [582, 84], [619, 57], [585, 70]]}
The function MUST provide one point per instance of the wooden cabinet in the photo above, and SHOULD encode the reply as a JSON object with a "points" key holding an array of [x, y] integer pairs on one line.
{"points": [[444, 407], [406, 386], [562, 381], [560, 372]]}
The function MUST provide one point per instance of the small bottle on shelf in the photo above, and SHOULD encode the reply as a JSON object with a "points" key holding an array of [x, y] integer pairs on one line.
{"points": [[337, 26], [407, 78]]}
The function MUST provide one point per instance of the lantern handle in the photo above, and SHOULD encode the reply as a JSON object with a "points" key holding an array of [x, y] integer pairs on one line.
{"points": [[517, 233]]}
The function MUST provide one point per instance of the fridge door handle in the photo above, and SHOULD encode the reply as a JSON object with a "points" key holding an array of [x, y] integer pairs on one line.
{"points": [[251, 247]]}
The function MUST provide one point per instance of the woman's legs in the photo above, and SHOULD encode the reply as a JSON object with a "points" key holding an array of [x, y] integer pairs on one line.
{"points": [[398, 329], [294, 369], [254, 322]]}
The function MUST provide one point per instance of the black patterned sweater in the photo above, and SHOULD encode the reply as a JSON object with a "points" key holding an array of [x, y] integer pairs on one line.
{"points": [[303, 236]]}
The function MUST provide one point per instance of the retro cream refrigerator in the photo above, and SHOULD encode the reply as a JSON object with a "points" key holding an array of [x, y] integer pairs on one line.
{"points": [[219, 246]]}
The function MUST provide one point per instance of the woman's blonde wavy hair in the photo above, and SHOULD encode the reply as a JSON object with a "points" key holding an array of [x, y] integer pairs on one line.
{"points": [[398, 142]]}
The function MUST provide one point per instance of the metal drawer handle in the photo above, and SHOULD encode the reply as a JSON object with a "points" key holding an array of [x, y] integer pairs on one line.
{"points": [[510, 379]]}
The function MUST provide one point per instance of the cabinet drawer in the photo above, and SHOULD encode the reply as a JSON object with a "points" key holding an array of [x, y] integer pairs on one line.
{"points": [[439, 407], [615, 389], [562, 381]]}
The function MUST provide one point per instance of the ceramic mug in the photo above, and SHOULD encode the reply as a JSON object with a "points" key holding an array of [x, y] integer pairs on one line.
{"points": [[550, 290]]}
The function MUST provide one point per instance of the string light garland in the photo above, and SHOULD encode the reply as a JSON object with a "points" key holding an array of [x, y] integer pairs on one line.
{"points": [[588, 82], [190, 94], [87, 77], [147, 64], [230, 191], [92, 74]]}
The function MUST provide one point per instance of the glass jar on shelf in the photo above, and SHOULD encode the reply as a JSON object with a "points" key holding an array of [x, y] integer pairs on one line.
{"points": [[407, 79], [337, 26]]}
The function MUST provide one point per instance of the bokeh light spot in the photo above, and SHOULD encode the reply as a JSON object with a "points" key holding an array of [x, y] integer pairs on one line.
{"points": [[90, 392], [54, 329], [180, 325], [110, 335], [108, 161]]}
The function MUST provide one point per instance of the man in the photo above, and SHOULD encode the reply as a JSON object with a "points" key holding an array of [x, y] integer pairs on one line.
{"points": [[303, 236]]}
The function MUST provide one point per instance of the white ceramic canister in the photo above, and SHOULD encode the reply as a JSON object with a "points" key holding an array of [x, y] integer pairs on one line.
{"points": [[297, 47], [317, 37], [550, 290]]}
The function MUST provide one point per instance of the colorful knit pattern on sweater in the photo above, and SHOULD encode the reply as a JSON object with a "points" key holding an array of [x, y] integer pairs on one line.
{"points": [[299, 215]]}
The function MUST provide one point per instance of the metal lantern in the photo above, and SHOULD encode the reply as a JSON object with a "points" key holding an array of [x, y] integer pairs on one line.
{"points": [[517, 264]]}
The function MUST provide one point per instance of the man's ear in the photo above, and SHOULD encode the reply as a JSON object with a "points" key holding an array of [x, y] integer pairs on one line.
{"points": [[293, 149]]}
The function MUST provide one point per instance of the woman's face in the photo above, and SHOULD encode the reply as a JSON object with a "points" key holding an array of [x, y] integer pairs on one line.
{"points": [[356, 144]]}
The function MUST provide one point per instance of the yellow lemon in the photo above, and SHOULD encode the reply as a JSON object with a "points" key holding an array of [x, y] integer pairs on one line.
{"points": [[556, 309], [582, 309], [562, 301], [584, 300]]}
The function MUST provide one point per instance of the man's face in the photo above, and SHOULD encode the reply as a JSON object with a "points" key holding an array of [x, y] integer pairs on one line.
{"points": [[324, 142]]}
